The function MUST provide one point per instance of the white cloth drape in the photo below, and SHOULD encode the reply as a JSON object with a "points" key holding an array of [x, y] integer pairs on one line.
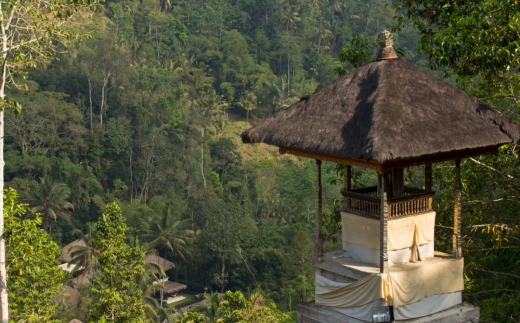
{"points": [[408, 285], [426, 306], [409, 238], [395, 257]]}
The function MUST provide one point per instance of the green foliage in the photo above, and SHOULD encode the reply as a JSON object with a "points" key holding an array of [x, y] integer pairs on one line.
{"points": [[233, 307], [48, 123], [472, 37], [12, 105], [115, 140], [116, 296], [29, 29], [356, 54], [34, 278], [215, 180], [120, 117], [491, 226], [226, 230], [478, 40], [224, 156], [192, 317]]}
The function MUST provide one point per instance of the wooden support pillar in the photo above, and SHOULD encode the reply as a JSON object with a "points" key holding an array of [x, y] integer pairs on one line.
{"points": [[383, 223], [457, 214], [397, 182], [347, 178], [318, 249], [428, 177], [347, 184]]}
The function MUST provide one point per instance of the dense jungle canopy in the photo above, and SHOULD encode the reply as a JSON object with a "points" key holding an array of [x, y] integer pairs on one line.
{"points": [[147, 111]]}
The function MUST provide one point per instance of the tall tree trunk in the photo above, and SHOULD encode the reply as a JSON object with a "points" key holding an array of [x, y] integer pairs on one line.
{"points": [[202, 158], [158, 43], [3, 272], [102, 105], [164, 266], [223, 273], [288, 75], [90, 102], [106, 77], [45, 223], [131, 179], [164, 262], [318, 245]]}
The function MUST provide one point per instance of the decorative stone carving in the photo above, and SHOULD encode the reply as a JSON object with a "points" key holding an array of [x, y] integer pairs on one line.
{"points": [[386, 41]]}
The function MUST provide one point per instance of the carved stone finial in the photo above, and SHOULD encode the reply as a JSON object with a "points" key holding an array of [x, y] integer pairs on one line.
{"points": [[386, 41]]}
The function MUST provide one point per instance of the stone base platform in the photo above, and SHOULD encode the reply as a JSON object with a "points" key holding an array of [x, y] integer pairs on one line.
{"points": [[312, 313]]}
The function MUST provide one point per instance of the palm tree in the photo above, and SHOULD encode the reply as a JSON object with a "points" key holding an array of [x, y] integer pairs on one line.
{"points": [[51, 200], [337, 6], [82, 253], [148, 282], [248, 102], [215, 108], [169, 233], [290, 17], [153, 311], [323, 33]]}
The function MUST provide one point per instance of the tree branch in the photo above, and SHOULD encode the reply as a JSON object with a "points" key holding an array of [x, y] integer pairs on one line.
{"points": [[497, 248], [496, 291], [10, 17], [22, 44], [443, 227], [499, 273], [490, 168]]}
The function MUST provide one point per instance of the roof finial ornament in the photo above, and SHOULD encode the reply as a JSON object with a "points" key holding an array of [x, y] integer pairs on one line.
{"points": [[386, 41]]}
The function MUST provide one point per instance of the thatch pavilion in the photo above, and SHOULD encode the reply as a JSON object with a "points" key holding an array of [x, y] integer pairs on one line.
{"points": [[386, 116]]}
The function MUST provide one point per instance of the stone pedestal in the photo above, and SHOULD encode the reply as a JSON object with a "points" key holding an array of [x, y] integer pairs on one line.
{"points": [[312, 313]]}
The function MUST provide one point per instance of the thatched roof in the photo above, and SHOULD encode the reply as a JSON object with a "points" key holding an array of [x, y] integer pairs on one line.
{"points": [[388, 112], [173, 287], [81, 280], [68, 297], [165, 264]]}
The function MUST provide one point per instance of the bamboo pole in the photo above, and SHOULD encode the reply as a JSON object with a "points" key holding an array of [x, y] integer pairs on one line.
{"points": [[347, 183], [457, 214], [318, 249], [428, 177]]}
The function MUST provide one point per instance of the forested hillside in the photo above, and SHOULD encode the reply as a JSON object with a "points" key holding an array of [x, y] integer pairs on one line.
{"points": [[147, 111]]}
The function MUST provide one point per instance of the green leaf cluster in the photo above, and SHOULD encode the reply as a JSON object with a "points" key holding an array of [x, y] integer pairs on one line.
{"points": [[116, 296], [478, 41], [34, 278], [233, 307]]}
